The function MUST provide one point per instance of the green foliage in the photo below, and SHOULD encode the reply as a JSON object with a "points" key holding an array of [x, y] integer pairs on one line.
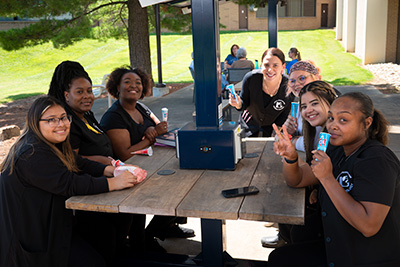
{"points": [[100, 19], [172, 19], [29, 70]]}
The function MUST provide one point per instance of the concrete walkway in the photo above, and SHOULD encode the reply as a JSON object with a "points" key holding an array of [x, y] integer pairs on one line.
{"points": [[243, 237]]}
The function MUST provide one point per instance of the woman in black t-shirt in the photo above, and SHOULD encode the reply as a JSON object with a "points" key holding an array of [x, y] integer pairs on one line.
{"points": [[263, 98], [360, 188], [130, 125]]}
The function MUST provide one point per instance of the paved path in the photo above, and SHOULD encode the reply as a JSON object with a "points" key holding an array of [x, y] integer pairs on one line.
{"points": [[243, 237]]}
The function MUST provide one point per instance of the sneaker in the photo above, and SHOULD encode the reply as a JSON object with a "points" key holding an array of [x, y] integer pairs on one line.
{"points": [[272, 241], [179, 232]]}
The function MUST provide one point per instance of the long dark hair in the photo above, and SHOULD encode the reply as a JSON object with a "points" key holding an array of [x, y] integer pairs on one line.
{"points": [[325, 94], [39, 106], [63, 75], [379, 129], [233, 54], [115, 79]]}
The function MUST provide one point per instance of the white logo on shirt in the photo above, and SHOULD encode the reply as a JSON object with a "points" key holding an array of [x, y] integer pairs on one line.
{"points": [[279, 104], [345, 180]]}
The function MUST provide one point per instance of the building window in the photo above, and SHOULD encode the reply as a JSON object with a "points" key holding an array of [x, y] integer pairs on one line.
{"points": [[294, 8]]}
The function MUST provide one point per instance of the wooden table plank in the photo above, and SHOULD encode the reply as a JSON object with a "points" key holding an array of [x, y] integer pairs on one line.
{"points": [[106, 202], [109, 202], [161, 194], [276, 201], [205, 199]]}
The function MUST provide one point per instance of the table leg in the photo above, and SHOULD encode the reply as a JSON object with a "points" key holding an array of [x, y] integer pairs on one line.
{"points": [[213, 242]]}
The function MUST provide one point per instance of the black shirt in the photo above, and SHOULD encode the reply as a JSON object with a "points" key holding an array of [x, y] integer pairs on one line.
{"points": [[35, 226], [371, 174], [117, 118], [260, 109], [90, 138]]}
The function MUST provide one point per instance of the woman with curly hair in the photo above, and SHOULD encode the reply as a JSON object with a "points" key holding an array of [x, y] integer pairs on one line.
{"points": [[130, 125]]}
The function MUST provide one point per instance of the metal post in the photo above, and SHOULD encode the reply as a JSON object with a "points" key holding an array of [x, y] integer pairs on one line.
{"points": [[212, 242], [272, 23], [206, 50], [158, 34]]}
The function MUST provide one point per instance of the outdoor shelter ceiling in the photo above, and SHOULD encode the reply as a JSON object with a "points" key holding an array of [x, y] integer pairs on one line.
{"points": [[176, 3]]}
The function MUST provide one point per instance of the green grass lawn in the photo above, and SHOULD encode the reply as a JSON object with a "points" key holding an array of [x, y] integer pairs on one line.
{"points": [[28, 71]]}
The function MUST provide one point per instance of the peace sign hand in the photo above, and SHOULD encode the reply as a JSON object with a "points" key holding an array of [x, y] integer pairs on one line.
{"points": [[283, 146]]}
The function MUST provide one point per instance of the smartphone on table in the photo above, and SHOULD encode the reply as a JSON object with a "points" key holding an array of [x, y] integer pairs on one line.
{"points": [[241, 191]]}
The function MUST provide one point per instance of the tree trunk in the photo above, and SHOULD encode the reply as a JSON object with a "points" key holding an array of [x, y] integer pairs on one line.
{"points": [[138, 36]]}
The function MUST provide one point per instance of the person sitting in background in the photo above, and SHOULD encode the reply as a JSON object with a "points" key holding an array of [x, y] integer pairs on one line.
{"points": [[294, 54], [132, 126], [231, 57], [38, 175], [242, 61]]}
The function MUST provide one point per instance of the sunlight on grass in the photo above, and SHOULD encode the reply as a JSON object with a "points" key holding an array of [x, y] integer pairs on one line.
{"points": [[29, 70]]}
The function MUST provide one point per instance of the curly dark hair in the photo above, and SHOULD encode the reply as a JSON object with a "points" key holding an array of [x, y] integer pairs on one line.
{"points": [[115, 77], [63, 75]]}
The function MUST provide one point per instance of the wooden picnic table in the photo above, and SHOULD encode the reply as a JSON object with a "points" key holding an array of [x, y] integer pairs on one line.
{"points": [[197, 193]]}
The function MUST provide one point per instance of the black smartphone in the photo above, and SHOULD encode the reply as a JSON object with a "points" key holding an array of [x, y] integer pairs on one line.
{"points": [[241, 191]]}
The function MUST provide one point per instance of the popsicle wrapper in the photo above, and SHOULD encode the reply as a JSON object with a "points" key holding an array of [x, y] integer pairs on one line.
{"points": [[138, 172]]}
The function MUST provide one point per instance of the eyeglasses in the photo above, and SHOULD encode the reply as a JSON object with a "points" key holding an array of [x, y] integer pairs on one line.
{"points": [[301, 80], [54, 122]]}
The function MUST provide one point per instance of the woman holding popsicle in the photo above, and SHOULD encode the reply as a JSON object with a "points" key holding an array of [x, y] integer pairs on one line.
{"points": [[359, 194], [39, 174], [315, 100], [263, 98], [130, 125], [301, 74]]}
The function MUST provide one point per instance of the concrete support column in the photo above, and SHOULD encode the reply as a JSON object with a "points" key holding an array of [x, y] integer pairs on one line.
{"points": [[349, 25], [339, 19], [372, 17]]}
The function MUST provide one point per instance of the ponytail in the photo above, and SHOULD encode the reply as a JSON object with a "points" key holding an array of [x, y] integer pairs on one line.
{"points": [[379, 129]]}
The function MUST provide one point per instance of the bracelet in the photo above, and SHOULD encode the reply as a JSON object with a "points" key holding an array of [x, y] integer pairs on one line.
{"points": [[288, 161]]}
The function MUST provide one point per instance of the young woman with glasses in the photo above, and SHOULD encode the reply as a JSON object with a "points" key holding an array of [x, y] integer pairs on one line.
{"points": [[38, 175]]}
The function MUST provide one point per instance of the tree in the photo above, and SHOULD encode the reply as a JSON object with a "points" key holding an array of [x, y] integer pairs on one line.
{"points": [[65, 22]]}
